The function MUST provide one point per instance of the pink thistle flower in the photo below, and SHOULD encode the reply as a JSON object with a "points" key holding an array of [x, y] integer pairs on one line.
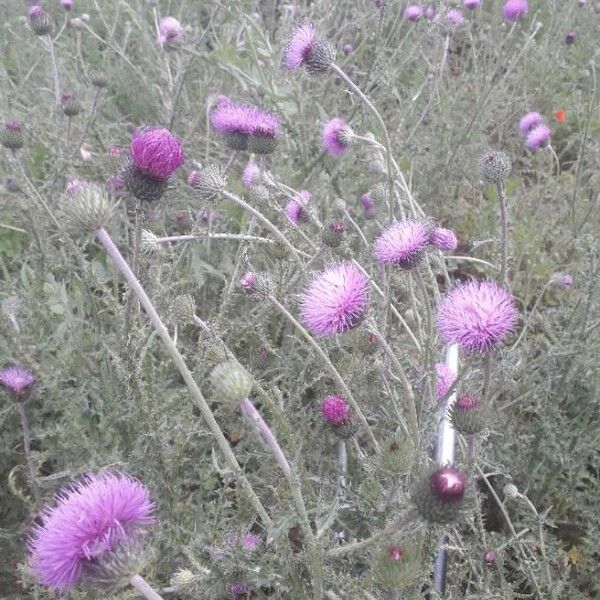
{"points": [[530, 121], [348, 48], [413, 12], [248, 282], [72, 187], [157, 153], [489, 558], [88, 520], [250, 175], [467, 402], [471, 4], [430, 13], [335, 300], [477, 316], [250, 541], [454, 17], [335, 410], [16, 379], [402, 243], [67, 4], [396, 552], [538, 138], [562, 279], [304, 48], [336, 136], [193, 178], [296, 213], [448, 484], [514, 9], [445, 379], [444, 239], [35, 11], [114, 151], [169, 30]]}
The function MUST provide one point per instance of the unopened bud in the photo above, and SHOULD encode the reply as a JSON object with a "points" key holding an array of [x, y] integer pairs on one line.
{"points": [[231, 382]]}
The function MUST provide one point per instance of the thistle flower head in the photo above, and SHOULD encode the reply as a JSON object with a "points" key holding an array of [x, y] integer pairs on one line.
{"points": [[514, 9], [471, 4], [231, 382], [494, 167], [251, 175], [538, 138], [305, 48], [368, 205], [570, 38], [448, 484], [248, 282], [16, 380], [530, 121], [477, 316], [444, 381], [413, 12], [39, 21], [444, 239], [466, 402], [335, 410], [73, 186], [296, 213], [35, 11], [11, 136], [337, 136], [454, 17], [157, 153], [193, 178], [562, 279], [348, 48], [169, 30], [88, 521], [67, 4], [402, 243], [489, 558], [335, 300]]}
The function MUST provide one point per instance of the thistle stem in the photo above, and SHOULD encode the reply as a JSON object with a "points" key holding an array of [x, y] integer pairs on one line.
{"points": [[504, 229], [196, 395], [50, 48], [140, 584], [27, 451]]}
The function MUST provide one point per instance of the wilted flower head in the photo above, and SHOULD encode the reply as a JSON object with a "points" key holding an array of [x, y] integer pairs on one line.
{"points": [[538, 138], [16, 379], [251, 175], [169, 30], [88, 521], [444, 381], [157, 153], [476, 315], [515, 9], [529, 122], [306, 49], [413, 12], [335, 300], [335, 410], [402, 243], [444, 239], [337, 136]]}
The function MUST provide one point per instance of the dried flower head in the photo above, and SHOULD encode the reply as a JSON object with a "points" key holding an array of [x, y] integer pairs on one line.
{"points": [[530, 121], [169, 31], [538, 138], [403, 243], [87, 523], [306, 49], [514, 9], [337, 136], [494, 167], [88, 208], [476, 315], [444, 239], [157, 153], [17, 380], [231, 382], [335, 300]]}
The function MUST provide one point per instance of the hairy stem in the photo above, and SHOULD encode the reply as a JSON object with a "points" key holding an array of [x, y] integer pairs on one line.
{"points": [[504, 239], [27, 451], [140, 584]]}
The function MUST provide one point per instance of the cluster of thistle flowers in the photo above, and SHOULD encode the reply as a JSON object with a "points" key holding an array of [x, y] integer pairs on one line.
{"points": [[513, 10], [535, 131]]}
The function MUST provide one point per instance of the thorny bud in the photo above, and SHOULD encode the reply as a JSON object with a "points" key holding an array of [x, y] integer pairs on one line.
{"points": [[183, 309], [39, 21], [333, 234], [11, 135], [70, 105], [494, 167], [231, 382], [211, 182], [97, 78], [89, 209]]}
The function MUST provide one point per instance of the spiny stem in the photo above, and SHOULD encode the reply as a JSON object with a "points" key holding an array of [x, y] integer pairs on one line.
{"points": [[504, 228], [196, 395], [27, 451], [140, 584], [50, 48]]}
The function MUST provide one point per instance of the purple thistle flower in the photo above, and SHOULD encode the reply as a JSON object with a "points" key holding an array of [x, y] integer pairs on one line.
{"points": [[193, 178], [296, 213], [444, 239], [250, 175], [248, 282], [238, 590], [16, 379], [430, 13], [529, 122], [301, 43], [444, 381], [467, 402], [157, 153], [73, 186], [347, 48], [489, 557], [570, 38], [454, 17], [538, 138], [477, 316], [336, 136], [35, 11], [448, 484], [169, 30], [250, 541], [402, 243], [471, 4], [368, 205], [413, 12], [335, 300], [67, 4], [515, 9], [89, 518], [562, 279], [335, 410]]}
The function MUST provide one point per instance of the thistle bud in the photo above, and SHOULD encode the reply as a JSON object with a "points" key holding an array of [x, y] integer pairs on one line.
{"points": [[149, 242], [397, 455], [211, 182], [39, 21], [333, 234], [494, 167], [97, 78], [231, 382], [183, 309], [140, 185], [397, 565], [489, 558], [89, 209], [11, 136], [70, 105], [183, 580], [511, 491], [259, 194], [467, 415], [211, 354]]}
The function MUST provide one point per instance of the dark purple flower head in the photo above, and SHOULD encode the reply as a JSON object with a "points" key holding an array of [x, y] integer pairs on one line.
{"points": [[16, 379], [238, 590], [368, 205], [471, 4], [296, 210], [13, 126], [413, 12], [515, 9], [570, 38], [67, 4], [335, 410], [538, 138], [87, 520], [444, 239], [444, 381], [348, 48], [337, 135], [447, 484], [489, 558], [157, 153], [476, 315], [335, 300], [529, 122], [402, 243]]}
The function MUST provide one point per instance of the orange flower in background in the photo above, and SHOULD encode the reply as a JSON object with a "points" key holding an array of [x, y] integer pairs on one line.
{"points": [[560, 115]]}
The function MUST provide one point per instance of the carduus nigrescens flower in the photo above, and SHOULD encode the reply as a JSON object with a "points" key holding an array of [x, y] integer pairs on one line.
{"points": [[337, 136], [305, 48], [169, 31], [403, 243]]}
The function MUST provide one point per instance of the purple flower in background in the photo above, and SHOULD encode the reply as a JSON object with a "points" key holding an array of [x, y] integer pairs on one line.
{"points": [[335, 410], [454, 17], [248, 282], [515, 9], [562, 279], [444, 239], [402, 243], [413, 12], [35, 11], [570, 38], [88, 519], [157, 153], [336, 136], [529, 122], [295, 209], [368, 205], [444, 381], [67, 4], [538, 138], [250, 175], [16, 379], [335, 300], [169, 30], [477, 316], [73, 186], [250, 541], [472, 4], [348, 49], [430, 13], [193, 178]]}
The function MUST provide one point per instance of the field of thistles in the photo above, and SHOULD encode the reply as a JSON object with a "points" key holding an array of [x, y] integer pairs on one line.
{"points": [[299, 301]]}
